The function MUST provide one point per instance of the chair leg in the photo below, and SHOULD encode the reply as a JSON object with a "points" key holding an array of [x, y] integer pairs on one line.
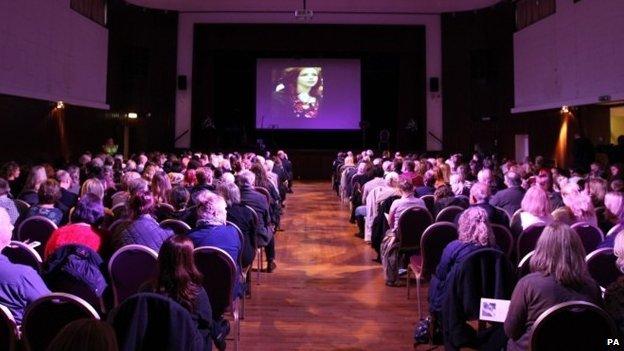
{"points": [[407, 281], [418, 295], [259, 260], [238, 330], [248, 282]]}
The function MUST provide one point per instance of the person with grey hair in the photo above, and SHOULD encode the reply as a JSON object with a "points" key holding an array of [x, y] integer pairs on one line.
{"points": [[242, 216], [260, 204], [479, 196], [509, 199], [7, 203], [19, 285], [68, 199], [211, 228], [376, 197]]}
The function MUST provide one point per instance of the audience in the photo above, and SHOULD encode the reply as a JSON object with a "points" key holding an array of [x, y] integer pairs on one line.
{"points": [[49, 193], [509, 199], [559, 274]]}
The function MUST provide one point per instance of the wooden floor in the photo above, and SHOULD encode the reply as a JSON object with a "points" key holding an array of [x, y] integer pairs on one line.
{"points": [[327, 293]]}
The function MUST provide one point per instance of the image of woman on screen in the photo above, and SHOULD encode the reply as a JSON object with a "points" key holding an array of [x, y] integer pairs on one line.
{"points": [[299, 92]]}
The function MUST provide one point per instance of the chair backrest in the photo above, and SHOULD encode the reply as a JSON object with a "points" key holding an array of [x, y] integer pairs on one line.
{"points": [[265, 192], [219, 271], [573, 325], [412, 224], [36, 228], [130, 267], [515, 223], [449, 213], [429, 202], [163, 325], [524, 267], [528, 239], [504, 211], [504, 239], [8, 330], [45, 317], [590, 235], [117, 226], [433, 241], [119, 210], [179, 227], [256, 221], [241, 238], [615, 229], [20, 253], [601, 266], [22, 206]]}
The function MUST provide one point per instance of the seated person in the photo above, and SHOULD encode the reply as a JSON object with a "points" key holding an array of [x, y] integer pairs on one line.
{"points": [[578, 206], [479, 195], [406, 201], [614, 295], [36, 177], [535, 207], [211, 228], [179, 279], [83, 228], [444, 197], [179, 198], [614, 204], [7, 203], [49, 193], [68, 199], [242, 216], [509, 199], [19, 284], [474, 233], [143, 230], [559, 275]]}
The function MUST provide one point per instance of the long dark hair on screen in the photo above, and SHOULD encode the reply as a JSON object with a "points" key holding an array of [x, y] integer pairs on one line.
{"points": [[290, 76], [178, 277]]}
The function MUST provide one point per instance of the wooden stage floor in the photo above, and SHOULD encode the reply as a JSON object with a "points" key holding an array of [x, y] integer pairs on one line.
{"points": [[327, 293]]}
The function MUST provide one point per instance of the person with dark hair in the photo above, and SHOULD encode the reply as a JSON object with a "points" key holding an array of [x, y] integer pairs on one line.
{"points": [[204, 176], [509, 199], [85, 334], [7, 203], [298, 93], [179, 198], [83, 227], [68, 199], [143, 230], [11, 172], [49, 193], [428, 188], [559, 274], [36, 177], [179, 279]]}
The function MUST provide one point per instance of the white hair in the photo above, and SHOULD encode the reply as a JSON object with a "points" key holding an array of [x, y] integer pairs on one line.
{"points": [[246, 178], [392, 178], [387, 166], [268, 165], [6, 229], [227, 177]]}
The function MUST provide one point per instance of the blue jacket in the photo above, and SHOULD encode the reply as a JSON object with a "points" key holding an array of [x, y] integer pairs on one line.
{"points": [[221, 236], [75, 263], [143, 231], [19, 286]]}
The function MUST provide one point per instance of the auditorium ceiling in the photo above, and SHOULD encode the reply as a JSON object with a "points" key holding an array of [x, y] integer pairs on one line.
{"points": [[319, 6]]}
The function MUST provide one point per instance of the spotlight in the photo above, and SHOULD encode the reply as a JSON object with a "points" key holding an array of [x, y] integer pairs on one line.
{"points": [[60, 105], [132, 115], [564, 109]]}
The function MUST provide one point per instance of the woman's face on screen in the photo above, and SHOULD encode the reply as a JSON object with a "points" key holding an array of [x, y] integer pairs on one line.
{"points": [[308, 77]]}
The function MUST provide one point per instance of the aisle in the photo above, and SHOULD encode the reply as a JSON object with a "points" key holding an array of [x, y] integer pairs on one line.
{"points": [[326, 293]]}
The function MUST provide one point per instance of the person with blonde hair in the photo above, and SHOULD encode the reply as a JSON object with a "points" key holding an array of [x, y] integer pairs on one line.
{"points": [[614, 204], [578, 206], [559, 274], [92, 186], [535, 207], [475, 233]]}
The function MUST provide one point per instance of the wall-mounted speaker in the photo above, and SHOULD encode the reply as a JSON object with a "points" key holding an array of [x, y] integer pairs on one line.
{"points": [[181, 82], [434, 84]]}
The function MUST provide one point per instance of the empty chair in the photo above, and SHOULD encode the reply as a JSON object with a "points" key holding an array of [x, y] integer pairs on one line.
{"points": [[129, 268], [524, 267], [20, 253], [22, 206], [528, 239], [8, 330], [220, 278], [601, 266], [449, 213], [179, 227], [503, 211], [590, 236], [46, 316], [36, 228], [504, 239], [573, 325], [429, 202], [164, 325], [432, 243]]}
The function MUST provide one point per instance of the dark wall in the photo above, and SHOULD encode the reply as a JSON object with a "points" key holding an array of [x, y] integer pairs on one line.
{"points": [[142, 72], [393, 81]]}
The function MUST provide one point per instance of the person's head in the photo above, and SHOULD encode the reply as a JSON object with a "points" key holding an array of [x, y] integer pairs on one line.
{"points": [[204, 176], [535, 202], [211, 207], [429, 178], [245, 178], [10, 171], [407, 187], [559, 252], [49, 192], [484, 176], [229, 192], [578, 202], [161, 186], [618, 250], [6, 229], [89, 209], [5, 188], [392, 179], [36, 177], [473, 227], [141, 203], [512, 179], [596, 188], [177, 275], [64, 179], [614, 203], [85, 334], [442, 192], [92, 186], [479, 193], [179, 197]]}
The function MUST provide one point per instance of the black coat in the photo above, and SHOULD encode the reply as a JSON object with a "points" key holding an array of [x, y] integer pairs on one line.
{"points": [[243, 218], [259, 203], [508, 199]]}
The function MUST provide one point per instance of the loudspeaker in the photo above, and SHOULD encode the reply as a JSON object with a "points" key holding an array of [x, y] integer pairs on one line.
{"points": [[181, 82], [434, 84]]}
